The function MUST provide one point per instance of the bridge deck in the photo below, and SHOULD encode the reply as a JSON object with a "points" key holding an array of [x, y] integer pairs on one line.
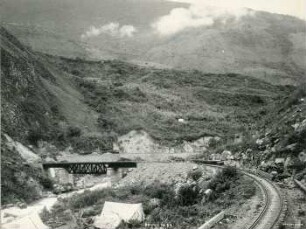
{"points": [[89, 167]]}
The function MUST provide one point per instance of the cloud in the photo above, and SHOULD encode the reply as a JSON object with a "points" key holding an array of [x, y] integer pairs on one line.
{"points": [[205, 12], [195, 16], [112, 29]]}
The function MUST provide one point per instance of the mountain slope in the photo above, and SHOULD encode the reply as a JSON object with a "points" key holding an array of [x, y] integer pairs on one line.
{"points": [[37, 102], [36, 105], [86, 105], [49, 94], [264, 45], [268, 46], [129, 97]]}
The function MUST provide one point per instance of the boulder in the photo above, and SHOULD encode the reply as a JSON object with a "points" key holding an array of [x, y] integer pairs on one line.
{"points": [[280, 161], [259, 142], [291, 147], [22, 206], [226, 155], [302, 156], [208, 192]]}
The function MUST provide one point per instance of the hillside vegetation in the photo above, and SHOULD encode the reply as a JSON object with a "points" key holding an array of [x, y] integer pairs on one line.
{"points": [[281, 135], [183, 205], [39, 103], [19, 180], [88, 104], [128, 97]]}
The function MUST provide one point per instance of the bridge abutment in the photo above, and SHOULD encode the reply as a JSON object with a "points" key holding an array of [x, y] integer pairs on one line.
{"points": [[60, 175]]}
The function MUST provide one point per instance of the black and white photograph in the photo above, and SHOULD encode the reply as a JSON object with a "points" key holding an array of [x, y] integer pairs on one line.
{"points": [[153, 114]]}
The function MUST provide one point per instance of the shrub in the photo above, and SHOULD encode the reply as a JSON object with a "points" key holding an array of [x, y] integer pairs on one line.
{"points": [[90, 212], [148, 208], [249, 191], [34, 136], [157, 190], [229, 172], [296, 95], [223, 180], [46, 182], [161, 191], [134, 223], [88, 198], [75, 72], [194, 175], [135, 190], [188, 194], [45, 215], [73, 131]]}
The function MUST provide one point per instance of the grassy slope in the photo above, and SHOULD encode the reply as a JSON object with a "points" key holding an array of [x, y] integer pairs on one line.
{"points": [[38, 101], [24, 99], [129, 97], [112, 97]]}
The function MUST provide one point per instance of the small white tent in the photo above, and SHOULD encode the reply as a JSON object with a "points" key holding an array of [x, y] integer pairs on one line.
{"points": [[32, 221], [114, 213]]}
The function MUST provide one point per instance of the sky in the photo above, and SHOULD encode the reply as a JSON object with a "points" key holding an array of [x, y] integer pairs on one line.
{"points": [[126, 19]]}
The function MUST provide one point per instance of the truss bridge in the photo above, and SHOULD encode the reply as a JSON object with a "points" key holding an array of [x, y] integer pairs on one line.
{"points": [[89, 167]]}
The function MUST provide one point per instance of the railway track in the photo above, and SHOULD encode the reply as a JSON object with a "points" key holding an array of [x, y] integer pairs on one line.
{"points": [[274, 204], [271, 214], [274, 207]]}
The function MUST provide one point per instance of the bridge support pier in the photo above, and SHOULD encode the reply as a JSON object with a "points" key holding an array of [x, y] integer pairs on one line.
{"points": [[115, 174], [60, 175]]}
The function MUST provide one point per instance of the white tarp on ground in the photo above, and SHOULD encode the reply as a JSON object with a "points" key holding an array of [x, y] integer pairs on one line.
{"points": [[32, 221], [114, 213]]}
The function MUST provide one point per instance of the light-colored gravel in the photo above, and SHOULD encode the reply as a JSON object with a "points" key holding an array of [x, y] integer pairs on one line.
{"points": [[147, 173]]}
